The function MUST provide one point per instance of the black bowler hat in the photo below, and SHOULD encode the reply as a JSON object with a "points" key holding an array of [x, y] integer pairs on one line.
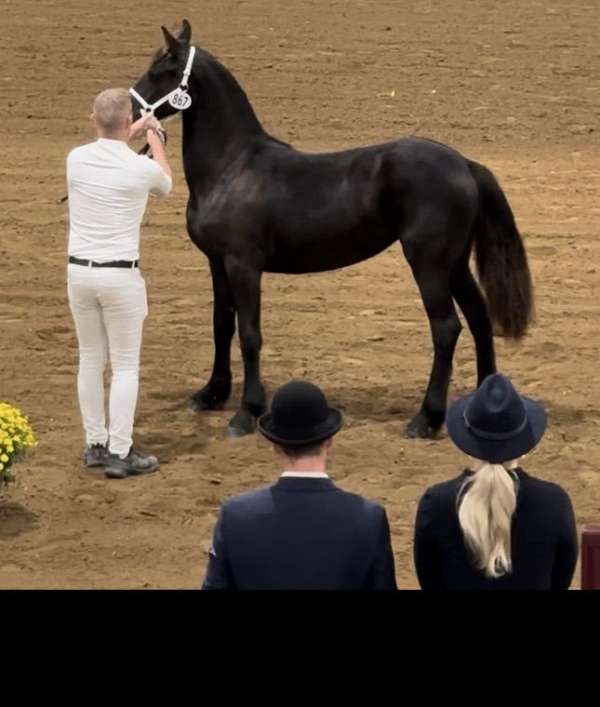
{"points": [[299, 415], [496, 424]]}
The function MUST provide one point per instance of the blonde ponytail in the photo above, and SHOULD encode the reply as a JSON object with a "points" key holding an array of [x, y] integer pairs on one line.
{"points": [[487, 502]]}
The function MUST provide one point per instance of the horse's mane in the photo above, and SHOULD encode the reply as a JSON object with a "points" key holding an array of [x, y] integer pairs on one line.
{"points": [[228, 79], [225, 74]]}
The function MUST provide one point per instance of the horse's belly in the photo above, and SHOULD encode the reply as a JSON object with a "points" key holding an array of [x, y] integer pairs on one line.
{"points": [[329, 253]]}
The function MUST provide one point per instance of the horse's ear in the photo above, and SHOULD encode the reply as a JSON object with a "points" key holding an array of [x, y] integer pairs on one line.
{"points": [[173, 45], [185, 34]]}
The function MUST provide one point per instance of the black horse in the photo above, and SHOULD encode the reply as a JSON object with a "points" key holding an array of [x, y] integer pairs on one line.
{"points": [[258, 205]]}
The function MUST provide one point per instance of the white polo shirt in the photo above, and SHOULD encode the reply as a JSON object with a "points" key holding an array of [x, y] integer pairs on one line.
{"points": [[108, 191]]}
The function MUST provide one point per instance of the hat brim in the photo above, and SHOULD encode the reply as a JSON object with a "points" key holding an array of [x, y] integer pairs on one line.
{"points": [[319, 433], [496, 451]]}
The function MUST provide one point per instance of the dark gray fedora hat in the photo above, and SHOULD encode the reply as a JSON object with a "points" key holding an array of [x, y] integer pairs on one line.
{"points": [[495, 423]]}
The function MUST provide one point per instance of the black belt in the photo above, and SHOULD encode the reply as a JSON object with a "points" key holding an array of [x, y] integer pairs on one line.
{"points": [[109, 264]]}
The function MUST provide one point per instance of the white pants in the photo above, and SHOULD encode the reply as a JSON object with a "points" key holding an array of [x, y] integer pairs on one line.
{"points": [[109, 306]]}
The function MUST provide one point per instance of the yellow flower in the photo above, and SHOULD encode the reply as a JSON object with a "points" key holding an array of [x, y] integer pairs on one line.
{"points": [[16, 435]]}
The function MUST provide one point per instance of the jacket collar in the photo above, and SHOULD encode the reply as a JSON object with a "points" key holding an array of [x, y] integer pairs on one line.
{"points": [[303, 483], [521, 474], [306, 474]]}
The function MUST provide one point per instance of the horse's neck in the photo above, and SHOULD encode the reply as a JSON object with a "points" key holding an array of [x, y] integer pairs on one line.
{"points": [[215, 133], [207, 151]]}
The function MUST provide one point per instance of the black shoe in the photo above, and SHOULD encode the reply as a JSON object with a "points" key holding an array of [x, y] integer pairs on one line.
{"points": [[95, 455], [134, 464]]}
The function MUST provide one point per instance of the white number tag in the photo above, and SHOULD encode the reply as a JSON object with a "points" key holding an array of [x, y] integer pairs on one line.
{"points": [[180, 99]]}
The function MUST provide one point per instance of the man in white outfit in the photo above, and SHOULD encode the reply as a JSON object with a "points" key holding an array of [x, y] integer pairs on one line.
{"points": [[108, 191]]}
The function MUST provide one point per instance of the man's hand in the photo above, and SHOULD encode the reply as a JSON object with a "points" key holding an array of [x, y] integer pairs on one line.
{"points": [[142, 125], [158, 130]]}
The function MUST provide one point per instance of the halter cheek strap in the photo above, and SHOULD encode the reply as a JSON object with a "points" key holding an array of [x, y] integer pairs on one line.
{"points": [[152, 107]]}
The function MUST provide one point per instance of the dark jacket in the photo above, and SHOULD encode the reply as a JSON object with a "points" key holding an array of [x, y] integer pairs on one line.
{"points": [[544, 540], [301, 533]]}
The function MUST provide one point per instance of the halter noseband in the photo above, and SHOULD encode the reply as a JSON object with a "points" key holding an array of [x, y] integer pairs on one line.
{"points": [[178, 98]]}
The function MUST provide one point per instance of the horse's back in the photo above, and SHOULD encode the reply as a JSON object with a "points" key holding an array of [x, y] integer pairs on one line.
{"points": [[311, 212], [418, 169]]}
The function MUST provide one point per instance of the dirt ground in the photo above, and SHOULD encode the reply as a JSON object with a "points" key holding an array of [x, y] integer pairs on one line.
{"points": [[513, 85]]}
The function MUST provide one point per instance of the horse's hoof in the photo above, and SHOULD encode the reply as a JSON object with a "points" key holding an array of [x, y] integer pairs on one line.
{"points": [[241, 424], [196, 405], [413, 431], [212, 396], [419, 428], [236, 432]]}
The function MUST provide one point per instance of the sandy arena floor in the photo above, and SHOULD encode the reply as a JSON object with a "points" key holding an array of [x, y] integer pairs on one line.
{"points": [[513, 85]]}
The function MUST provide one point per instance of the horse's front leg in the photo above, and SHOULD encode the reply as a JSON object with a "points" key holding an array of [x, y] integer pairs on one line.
{"points": [[245, 279], [216, 392]]}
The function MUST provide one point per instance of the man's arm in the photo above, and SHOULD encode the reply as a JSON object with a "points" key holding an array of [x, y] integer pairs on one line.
{"points": [[424, 548], [218, 574], [158, 151], [161, 181], [565, 557], [383, 574]]}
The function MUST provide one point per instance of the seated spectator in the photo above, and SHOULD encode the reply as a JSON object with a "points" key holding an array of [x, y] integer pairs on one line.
{"points": [[303, 532], [495, 527]]}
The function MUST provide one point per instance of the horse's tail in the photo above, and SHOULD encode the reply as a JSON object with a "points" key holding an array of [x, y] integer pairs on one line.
{"points": [[501, 260]]}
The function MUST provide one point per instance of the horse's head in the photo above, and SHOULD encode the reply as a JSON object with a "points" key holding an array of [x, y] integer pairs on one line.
{"points": [[164, 75]]}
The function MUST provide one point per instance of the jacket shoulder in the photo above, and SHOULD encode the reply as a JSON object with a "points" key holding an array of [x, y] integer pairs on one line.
{"points": [[262, 497], [359, 502], [247, 499], [444, 490], [444, 494], [549, 490]]}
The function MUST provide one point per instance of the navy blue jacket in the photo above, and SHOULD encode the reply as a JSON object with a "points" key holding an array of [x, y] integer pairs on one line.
{"points": [[543, 538], [301, 533]]}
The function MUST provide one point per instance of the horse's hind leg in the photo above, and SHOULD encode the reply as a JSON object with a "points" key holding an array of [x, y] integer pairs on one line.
{"points": [[244, 279], [218, 388], [431, 275], [469, 298]]}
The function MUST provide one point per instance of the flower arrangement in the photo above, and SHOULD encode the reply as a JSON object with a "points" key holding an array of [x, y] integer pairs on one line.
{"points": [[16, 437]]}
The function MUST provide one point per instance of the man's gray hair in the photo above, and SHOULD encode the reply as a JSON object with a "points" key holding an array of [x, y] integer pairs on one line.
{"points": [[111, 109]]}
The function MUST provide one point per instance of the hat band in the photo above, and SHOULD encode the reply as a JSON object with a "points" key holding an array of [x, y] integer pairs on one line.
{"points": [[295, 433], [494, 435]]}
